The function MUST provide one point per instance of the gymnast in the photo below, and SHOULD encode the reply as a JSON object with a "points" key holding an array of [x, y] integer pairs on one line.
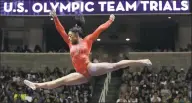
{"points": [[79, 51]]}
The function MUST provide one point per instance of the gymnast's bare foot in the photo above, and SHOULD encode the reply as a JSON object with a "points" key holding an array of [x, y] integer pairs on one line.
{"points": [[146, 62], [30, 84]]}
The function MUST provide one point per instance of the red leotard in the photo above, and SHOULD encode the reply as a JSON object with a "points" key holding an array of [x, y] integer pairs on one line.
{"points": [[80, 52]]}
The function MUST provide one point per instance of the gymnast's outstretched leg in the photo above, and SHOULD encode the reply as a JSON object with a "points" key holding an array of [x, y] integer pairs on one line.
{"points": [[71, 79], [96, 69]]}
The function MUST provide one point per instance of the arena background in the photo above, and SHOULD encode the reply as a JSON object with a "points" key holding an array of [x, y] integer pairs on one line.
{"points": [[163, 38]]}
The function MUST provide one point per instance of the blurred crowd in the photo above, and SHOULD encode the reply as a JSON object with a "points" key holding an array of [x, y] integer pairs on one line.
{"points": [[151, 86], [13, 90], [25, 48], [187, 48], [38, 49]]}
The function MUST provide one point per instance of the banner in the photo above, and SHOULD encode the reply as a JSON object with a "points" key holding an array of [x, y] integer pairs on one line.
{"points": [[93, 7]]}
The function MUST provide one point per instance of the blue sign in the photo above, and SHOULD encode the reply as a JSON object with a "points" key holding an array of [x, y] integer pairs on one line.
{"points": [[93, 7]]}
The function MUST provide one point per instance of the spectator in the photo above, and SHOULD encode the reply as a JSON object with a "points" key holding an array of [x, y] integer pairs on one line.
{"points": [[145, 71], [153, 78], [18, 49], [163, 72], [144, 94], [6, 49], [121, 99], [127, 95], [189, 47], [26, 49], [37, 49], [155, 98], [165, 93], [127, 75], [173, 73], [133, 99], [181, 49], [124, 88], [134, 90], [62, 50], [181, 75]]}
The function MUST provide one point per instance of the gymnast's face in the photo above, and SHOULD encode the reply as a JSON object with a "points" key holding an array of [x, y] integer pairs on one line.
{"points": [[73, 37]]}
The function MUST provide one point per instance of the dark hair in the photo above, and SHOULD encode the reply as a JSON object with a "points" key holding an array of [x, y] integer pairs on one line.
{"points": [[78, 28], [155, 92]]}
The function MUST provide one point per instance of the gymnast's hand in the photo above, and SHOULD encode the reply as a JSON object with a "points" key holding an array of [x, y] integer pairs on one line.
{"points": [[53, 13], [112, 17]]}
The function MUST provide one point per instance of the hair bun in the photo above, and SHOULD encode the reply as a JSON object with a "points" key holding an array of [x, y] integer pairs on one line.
{"points": [[80, 20]]}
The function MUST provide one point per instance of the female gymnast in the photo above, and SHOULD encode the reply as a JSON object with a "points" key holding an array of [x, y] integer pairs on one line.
{"points": [[79, 51]]}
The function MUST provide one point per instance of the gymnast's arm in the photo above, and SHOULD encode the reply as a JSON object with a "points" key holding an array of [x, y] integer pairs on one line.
{"points": [[60, 28], [100, 29]]}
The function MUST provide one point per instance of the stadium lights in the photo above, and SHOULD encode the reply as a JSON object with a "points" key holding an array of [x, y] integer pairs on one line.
{"points": [[169, 17], [98, 39], [127, 39]]}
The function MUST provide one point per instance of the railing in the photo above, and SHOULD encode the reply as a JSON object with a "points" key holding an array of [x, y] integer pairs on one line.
{"points": [[105, 88]]}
